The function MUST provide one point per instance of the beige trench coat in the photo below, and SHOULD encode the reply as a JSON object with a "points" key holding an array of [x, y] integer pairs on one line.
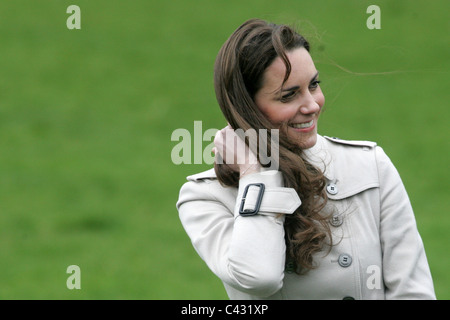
{"points": [[377, 251]]}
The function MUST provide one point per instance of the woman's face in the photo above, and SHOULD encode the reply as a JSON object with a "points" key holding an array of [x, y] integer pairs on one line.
{"points": [[298, 102]]}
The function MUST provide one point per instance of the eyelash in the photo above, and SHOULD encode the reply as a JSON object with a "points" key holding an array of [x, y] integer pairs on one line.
{"points": [[313, 86]]}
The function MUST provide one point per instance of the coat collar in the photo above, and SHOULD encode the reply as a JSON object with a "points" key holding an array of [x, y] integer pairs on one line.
{"points": [[318, 155]]}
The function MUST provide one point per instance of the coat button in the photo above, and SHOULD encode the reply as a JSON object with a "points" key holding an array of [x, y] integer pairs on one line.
{"points": [[336, 220], [345, 260], [332, 189]]}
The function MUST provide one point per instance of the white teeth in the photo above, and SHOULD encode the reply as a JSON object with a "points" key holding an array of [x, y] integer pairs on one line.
{"points": [[302, 125]]}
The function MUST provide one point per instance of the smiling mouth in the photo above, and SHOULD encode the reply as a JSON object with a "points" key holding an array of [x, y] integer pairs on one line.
{"points": [[303, 125]]}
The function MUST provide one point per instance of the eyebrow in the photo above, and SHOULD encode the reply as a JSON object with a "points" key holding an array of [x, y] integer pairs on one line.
{"points": [[298, 87]]}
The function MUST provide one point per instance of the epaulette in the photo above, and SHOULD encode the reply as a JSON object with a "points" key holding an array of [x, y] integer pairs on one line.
{"points": [[208, 174], [356, 143]]}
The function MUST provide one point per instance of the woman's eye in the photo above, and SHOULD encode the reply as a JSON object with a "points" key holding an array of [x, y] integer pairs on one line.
{"points": [[288, 96], [314, 84]]}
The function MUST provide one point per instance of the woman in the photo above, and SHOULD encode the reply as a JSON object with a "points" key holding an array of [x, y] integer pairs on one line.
{"points": [[332, 222]]}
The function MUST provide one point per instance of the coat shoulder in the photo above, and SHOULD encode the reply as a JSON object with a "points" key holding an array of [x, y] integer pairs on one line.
{"points": [[201, 185], [204, 186]]}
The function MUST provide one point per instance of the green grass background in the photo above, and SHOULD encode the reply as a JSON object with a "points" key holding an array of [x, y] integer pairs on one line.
{"points": [[86, 118]]}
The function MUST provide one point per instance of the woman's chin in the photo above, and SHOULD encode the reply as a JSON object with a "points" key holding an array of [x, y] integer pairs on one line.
{"points": [[304, 140]]}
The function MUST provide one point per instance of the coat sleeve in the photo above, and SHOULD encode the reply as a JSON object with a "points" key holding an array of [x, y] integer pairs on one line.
{"points": [[247, 253], [405, 268]]}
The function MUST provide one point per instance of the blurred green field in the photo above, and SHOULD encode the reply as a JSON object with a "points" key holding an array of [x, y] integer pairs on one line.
{"points": [[86, 118]]}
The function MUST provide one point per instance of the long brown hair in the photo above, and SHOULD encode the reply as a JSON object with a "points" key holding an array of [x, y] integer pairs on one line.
{"points": [[238, 75]]}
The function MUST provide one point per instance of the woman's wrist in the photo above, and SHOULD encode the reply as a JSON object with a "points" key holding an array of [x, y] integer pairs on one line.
{"points": [[253, 168]]}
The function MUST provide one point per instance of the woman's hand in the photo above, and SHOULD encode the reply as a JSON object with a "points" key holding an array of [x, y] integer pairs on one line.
{"points": [[232, 150]]}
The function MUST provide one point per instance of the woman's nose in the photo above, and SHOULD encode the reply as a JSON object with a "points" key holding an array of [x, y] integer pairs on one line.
{"points": [[309, 105]]}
